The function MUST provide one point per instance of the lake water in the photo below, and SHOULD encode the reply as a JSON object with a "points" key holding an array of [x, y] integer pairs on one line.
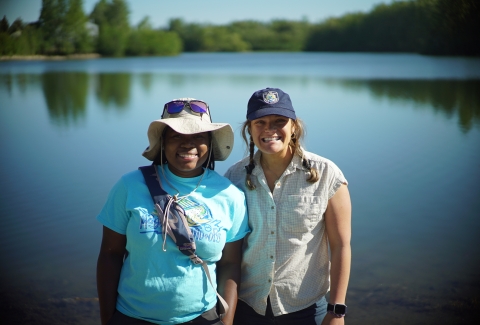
{"points": [[405, 130]]}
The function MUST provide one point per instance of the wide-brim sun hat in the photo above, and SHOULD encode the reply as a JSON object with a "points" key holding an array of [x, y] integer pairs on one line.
{"points": [[189, 122]]}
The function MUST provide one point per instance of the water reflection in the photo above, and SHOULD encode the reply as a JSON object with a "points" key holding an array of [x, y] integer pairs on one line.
{"points": [[450, 97], [20, 81], [146, 81], [113, 89], [66, 93], [66, 96]]}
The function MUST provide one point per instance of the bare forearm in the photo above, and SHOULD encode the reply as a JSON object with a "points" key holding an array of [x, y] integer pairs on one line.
{"points": [[228, 278], [338, 225], [108, 275], [340, 273]]}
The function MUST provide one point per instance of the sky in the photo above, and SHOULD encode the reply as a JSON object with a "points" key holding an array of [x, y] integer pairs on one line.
{"points": [[216, 12]]}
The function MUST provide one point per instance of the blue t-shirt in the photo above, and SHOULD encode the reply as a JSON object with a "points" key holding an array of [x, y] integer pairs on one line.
{"points": [[165, 287]]}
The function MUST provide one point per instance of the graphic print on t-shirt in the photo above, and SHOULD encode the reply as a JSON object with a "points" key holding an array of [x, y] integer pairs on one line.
{"points": [[195, 213], [199, 219]]}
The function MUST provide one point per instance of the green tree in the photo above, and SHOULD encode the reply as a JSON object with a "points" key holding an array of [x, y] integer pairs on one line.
{"points": [[16, 26], [277, 35], [112, 20], [221, 39], [98, 13], [208, 38], [190, 34], [398, 27], [445, 27], [401, 26], [28, 42], [75, 28], [19, 38], [257, 35], [144, 40], [52, 16], [459, 23], [63, 26], [290, 35], [145, 24], [4, 25], [6, 46]]}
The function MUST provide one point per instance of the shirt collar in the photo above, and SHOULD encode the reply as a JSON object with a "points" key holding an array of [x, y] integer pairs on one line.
{"points": [[296, 163]]}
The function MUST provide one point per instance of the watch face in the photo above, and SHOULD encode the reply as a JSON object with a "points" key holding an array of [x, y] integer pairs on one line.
{"points": [[340, 309]]}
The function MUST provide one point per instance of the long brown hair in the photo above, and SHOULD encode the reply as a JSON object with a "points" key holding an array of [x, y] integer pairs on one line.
{"points": [[295, 144]]}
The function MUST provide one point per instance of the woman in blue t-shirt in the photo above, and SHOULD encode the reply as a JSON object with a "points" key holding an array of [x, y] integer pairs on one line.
{"points": [[142, 277]]}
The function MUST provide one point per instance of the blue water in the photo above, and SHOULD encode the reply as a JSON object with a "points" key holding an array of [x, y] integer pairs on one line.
{"points": [[405, 130]]}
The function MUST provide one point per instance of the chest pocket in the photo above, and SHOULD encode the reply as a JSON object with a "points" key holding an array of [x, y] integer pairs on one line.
{"points": [[302, 213]]}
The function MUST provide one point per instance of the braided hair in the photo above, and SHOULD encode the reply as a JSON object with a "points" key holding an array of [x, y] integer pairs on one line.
{"points": [[297, 137]]}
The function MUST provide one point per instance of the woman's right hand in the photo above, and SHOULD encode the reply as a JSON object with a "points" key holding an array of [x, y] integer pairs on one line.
{"points": [[333, 320], [109, 265]]}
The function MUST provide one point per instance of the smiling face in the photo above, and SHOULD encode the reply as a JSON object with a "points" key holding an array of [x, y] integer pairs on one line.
{"points": [[186, 153], [272, 134]]}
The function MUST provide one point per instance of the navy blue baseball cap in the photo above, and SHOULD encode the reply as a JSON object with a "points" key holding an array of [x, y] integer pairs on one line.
{"points": [[270, 101]]}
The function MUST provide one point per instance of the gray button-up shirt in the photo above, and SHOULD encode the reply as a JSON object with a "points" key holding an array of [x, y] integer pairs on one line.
{"points": [[286, 254]]}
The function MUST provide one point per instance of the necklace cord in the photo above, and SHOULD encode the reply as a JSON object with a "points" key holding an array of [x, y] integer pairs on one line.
{"points": [[175, 198]]}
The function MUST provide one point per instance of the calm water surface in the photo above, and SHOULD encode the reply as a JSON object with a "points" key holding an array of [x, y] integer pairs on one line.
{"points": [[405, 130]]}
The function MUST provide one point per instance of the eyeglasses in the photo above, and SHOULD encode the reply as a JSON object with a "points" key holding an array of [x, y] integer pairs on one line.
{"points": [[176, 106]]}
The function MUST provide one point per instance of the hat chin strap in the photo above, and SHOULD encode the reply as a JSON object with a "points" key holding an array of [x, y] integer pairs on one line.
{"points": [[210, 151], [177, 196]]}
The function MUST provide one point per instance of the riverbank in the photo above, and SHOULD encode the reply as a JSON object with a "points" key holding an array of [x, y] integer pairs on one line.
{"points": [[49, 57]]}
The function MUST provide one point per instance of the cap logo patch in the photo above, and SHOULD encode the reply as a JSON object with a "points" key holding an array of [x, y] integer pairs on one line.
{"points": [[270, 97]]}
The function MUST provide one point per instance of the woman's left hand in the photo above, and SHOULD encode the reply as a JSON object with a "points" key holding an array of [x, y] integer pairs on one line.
{"points": [[338, 227], [228, 277]]}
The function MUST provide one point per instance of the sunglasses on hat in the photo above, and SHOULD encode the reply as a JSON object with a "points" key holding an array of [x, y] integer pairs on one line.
{"points": [[176, 106]]}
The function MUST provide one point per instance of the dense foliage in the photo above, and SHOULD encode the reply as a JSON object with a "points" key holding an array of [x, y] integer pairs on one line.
{"points": [[63, 28], [445, 27], [442, 27]]}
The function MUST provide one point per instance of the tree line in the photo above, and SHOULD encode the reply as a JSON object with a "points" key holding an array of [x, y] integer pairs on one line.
{"points": [[63, 28], [434, 27]]}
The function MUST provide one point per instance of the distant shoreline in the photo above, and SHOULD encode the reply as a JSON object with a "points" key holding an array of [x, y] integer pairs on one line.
{"points": [[50, 57]]}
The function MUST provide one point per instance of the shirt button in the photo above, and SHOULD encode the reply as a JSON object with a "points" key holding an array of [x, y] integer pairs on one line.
{"points": [[278, 184], [272, 232], [269, 280], [271, 256], [273, 207]]}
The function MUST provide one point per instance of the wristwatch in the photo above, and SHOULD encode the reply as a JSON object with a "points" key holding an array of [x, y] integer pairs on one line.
{"points": [[338, 310]]}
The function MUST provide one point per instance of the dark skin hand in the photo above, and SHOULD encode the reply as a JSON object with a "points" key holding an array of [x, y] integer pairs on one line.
{"points": [[228, 277], [109, 264]]}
